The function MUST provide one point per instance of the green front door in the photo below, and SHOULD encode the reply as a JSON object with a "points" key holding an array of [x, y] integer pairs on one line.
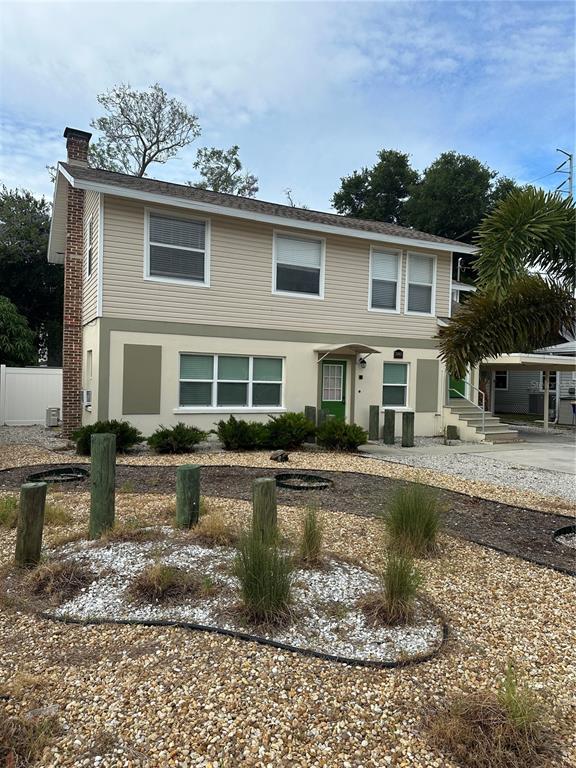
{"points": [[333, 388], [457, 388]]}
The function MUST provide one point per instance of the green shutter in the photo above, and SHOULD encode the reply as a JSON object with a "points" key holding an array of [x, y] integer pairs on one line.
{"points": [[196, 366], [267, 369], [233, 368]]}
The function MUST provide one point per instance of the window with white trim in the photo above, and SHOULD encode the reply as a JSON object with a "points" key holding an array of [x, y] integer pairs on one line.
{"points": [[395, 385], [176, 248], [298, 265], [500, 379], [420, 280], [90, 250], [385, 280], [230, 381]]}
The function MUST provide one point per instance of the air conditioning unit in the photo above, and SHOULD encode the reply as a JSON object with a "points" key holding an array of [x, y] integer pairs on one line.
{"points": [[52, 417], [87, 398]]}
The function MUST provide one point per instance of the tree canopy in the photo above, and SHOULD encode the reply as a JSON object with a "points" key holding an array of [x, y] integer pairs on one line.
{"points": [[17, 345], [221, 171], [33, 285]]}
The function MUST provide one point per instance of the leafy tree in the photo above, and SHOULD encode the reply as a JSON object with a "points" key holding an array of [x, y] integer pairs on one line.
{"points": [[16, 338], [221, 171], [454, 194], [526, 281], [379, 192], [140, 128], [33, 285]]}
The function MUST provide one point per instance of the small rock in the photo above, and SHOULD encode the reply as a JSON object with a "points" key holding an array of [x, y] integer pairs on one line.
{"points": [[278, 456]]}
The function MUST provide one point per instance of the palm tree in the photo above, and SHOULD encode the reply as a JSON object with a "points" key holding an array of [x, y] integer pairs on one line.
{"points": [[526, 282]]}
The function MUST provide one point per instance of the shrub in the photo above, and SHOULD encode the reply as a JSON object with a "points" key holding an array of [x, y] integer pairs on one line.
{"points": [[289, 430], [265, 576], [394, 603], [339, 436], [178, 439], [163, 583], [503, 730], [238, 435], [413, 520], [126, 435], [311, 539]]}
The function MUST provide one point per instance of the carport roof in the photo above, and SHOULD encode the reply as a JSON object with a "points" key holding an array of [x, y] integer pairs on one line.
{"points": [[531, 362]]}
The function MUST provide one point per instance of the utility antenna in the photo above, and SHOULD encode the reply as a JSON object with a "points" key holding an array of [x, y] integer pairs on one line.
{"points": [[566, 167]]}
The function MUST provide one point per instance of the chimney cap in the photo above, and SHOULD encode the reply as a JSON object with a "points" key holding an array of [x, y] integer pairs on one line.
{"points": [[75, 133]]}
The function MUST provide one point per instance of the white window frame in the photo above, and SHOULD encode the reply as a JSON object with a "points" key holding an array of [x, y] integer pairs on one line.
{"points": [[214, 408], [207, 240], [406, 407], [432, 312], [298, 236], [89, 248], [549, 387], [501, 389], [397, 252]]}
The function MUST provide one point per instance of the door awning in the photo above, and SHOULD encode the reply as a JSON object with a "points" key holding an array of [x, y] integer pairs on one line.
{"points": [[353, 348]]}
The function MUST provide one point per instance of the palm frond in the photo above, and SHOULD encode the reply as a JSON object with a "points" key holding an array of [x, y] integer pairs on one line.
{"points": [[529, 230], [532, 314]]}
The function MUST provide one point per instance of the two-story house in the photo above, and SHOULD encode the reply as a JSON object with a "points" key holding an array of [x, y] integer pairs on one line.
{"points": [[183, 304]]}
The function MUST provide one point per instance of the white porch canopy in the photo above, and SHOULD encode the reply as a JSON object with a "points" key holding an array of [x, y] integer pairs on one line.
{"points": [[352, 348]]}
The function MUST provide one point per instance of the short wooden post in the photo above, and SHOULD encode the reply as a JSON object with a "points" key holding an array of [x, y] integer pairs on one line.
{"points": [[30, 524], [408, 429], [187, 495], [374, 423], [310, 414], [322, 416], [389, 426], [451, 432], [103, 476], [264, 509]]}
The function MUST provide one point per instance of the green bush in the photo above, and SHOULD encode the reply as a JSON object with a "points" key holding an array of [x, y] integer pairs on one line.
{"points": [[413, 520], [311, 538], [394, 603], [238, 435], [265, 576], [289, 431], [179, 439], [339, 436], [126, 435]]}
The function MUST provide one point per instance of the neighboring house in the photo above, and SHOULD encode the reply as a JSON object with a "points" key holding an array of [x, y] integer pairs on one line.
{"points": [[183, 304], [522, 392]]}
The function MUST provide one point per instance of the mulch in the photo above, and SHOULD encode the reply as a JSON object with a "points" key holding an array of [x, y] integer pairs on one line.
{"points": [[522, 532]]}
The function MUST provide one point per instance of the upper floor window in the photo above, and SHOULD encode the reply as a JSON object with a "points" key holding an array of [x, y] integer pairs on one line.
{"points": [[385, 280], [177, 249], [420, 280], [298, 265]]}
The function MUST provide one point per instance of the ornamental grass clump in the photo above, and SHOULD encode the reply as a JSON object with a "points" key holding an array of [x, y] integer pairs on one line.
{"points": [[167, 583], [311, 538], [413, 521], [394, 603], [265, 576], [506, 729]]}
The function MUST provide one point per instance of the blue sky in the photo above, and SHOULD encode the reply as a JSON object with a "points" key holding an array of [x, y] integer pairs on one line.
{"points": [[310, 91]]}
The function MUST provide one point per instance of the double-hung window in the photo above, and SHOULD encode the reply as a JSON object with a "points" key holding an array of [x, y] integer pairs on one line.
{"points": [[420, 290], [230, 381], [395, 385], [385, 280], [177, 249], [298, 265]]}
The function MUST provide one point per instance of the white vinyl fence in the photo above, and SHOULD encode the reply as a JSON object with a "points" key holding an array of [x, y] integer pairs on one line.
{"points": [[26, 393]]}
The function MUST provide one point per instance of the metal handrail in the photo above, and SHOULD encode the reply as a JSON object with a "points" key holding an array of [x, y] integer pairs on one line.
{"points": [[481, 408]]}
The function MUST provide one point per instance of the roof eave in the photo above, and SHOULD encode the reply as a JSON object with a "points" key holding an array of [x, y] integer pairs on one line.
{"points": [[57, 235]]}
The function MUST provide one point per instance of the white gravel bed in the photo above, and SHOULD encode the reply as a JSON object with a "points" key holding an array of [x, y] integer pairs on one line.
{"points": [[482, 468], [326, 618], [567, 540]]}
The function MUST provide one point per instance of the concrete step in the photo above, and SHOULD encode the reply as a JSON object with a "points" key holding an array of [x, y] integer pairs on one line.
{"points": [[503, 437], [493, 429]]}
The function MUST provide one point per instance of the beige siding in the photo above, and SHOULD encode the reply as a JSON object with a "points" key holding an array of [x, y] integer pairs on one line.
{"points": [[90, 283], [240, 291]]}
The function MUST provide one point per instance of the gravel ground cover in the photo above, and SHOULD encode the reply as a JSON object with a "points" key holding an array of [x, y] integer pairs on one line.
{"points": [[326, 616], [24, 455], [137, 696]]}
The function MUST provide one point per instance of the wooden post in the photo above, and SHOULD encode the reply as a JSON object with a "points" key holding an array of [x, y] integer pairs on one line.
{"points": [[310, 413], [322, 416], [187, 495], [264, 510], [103, 476], [408, 429], [374, 423], [389, 426], [30, 524]]}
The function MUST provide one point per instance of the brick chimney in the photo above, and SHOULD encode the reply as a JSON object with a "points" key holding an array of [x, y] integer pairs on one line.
{"points": [[77, 146]]}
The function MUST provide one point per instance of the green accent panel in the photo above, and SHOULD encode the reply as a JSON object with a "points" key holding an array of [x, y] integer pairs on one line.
{"points": [[395, 373], [232, 368], [196, 366], [142, 380], [110, 324], [456, 384], [267, 369], [335, 407], [427, 386]]}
